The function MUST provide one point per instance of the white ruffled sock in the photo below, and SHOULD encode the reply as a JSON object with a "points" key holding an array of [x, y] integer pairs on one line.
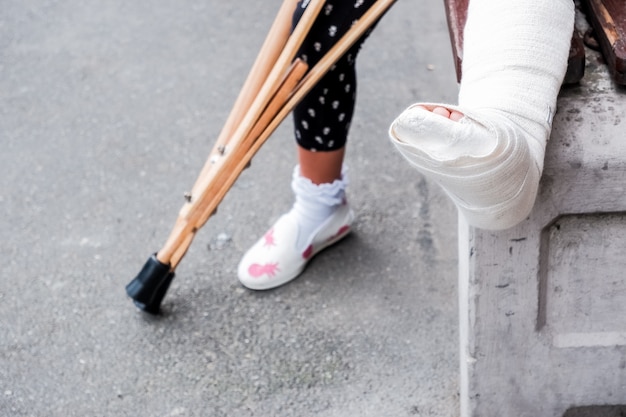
{"points": [[314, 203], [490, 162]]}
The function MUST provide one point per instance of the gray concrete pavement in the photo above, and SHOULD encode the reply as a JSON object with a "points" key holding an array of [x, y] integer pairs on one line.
{"points": [[107, 111]]}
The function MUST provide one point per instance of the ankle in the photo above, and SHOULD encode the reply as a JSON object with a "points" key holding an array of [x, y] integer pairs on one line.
{"points": [[329, 193], [315, 203]]}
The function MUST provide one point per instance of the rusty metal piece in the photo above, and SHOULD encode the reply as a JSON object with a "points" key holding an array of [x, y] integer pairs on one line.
{"points": [[608, 19], [456, 14]]}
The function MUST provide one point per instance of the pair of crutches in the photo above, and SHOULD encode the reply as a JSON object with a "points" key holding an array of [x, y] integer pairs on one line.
{"points": [[274, 86]]}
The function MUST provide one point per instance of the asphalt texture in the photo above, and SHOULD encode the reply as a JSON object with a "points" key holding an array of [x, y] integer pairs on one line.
{"points": [[107, 113]]}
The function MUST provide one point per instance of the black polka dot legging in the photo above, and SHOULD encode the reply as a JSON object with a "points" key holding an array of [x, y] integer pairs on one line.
{"points": [[322, 119]]}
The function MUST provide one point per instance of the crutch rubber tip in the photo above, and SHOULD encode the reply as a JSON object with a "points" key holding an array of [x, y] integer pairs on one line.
{"points": [[149, 287]]}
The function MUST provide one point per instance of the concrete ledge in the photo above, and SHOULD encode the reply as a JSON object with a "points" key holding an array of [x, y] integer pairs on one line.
{"points": [[543, 305]]}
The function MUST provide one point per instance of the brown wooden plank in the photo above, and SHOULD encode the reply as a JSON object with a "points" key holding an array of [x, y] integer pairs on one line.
{"points": [[608, 19]]}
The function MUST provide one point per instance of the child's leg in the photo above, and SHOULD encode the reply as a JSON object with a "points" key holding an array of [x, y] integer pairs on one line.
{"points": [[322, 120], [321, 167], [490, 161], [320, 215]]}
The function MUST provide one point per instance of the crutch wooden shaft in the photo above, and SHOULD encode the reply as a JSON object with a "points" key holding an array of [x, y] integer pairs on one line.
{"points": [[196, 215], [201, 190], [240, 155], [268, 55], [269, 86], [149, 287], [228, 169]]}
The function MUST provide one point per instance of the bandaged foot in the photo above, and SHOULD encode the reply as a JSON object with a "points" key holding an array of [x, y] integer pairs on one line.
{"points": [[486, 169], [490, 160]]}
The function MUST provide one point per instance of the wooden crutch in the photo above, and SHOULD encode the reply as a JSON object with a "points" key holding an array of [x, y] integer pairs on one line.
{"points": [[270, 101]]}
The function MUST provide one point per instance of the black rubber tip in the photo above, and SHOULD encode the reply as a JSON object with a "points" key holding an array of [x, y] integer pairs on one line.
{"points": [[150, 286]]}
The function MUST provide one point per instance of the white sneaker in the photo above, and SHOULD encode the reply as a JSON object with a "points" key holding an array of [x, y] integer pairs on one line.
{"points": [[274, 259]]}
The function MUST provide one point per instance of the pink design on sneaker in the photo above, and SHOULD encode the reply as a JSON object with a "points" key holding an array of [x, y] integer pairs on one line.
{"points": [[269, 238], [341, 231], [258, 270], [308, 252]]}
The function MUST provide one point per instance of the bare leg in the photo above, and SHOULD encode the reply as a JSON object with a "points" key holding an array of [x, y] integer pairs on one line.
{"points": [[321, 167]]}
